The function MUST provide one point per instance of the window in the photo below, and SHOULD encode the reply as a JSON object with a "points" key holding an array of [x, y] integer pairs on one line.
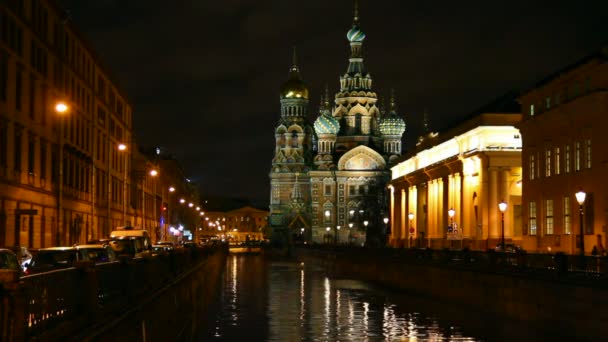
{"points": [[549, 217], [352, 190], [577, 156], [31, 153], [327, 189], [558, 165], [42, 160], [567, 161], [588, 153], [558, 99], [548, 102], [18, 89], [3, 78], [3, 143], [532, 110], [548, 163], [532, 167], [532, 217], [567, 222], [18, 149]]}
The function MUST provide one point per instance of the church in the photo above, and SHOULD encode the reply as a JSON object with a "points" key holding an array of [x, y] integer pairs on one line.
{"points": [[328, 179]]}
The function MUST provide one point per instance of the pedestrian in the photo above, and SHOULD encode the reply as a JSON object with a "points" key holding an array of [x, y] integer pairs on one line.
{"points": [[594, 251]]}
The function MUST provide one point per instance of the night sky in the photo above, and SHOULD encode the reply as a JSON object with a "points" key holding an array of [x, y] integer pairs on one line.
{"points": [[204, 76]]}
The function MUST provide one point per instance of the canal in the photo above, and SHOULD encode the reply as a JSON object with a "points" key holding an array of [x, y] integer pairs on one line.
{"points": [[266, 300]]}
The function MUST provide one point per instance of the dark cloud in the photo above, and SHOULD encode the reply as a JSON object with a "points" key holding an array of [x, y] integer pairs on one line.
{"points": [[204, 75]]}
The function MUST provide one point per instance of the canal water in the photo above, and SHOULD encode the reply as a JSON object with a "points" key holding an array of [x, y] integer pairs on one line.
{"points": [[265, 300]]}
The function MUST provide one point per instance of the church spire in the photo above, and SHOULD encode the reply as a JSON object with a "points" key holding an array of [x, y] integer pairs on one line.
{"points": [[356, 13]]}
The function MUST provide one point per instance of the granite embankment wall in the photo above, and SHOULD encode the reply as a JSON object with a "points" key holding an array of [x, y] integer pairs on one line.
{"points": [[578, 306], [173, 313]]}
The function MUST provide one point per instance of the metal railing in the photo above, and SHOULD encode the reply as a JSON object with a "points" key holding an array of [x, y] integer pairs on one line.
{"points": [[71, 299], [559, 266]]}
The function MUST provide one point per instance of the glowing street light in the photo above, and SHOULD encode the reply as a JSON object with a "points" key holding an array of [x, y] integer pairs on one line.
{"points": [[502, 206], [122, 147], [61, 107], [190, 204], [171, 189], [580, 198], [153, 173], [182, 201], [451, 213]]}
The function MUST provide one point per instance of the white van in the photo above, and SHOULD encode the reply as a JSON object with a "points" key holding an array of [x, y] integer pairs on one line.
{"points": [[131, 241]]}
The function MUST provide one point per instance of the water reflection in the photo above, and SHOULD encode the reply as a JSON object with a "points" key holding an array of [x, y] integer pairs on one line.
{"points": [[263, 300]]}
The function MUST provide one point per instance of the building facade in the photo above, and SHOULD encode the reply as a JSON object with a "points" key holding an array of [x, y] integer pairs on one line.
{"points": [[329, 178], [564, 151], [238, 225], [445, 193], [61, 175]]}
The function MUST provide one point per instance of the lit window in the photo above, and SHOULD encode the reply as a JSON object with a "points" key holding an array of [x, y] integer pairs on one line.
{"points": [[588, 152], [548, 163], [532, 167], [531, 110], [532, 218], [549, 217], [548, 102], [567, 223], [567, 161], [558, 164], [577, 156]]}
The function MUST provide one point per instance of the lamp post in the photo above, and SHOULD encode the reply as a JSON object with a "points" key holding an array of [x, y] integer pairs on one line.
{"points": [[61, 108], [502, 206], [153, 174], [123, 148], [327, 216], [386, 230], [410, 216], [580, 198], [451, 213], [338, 234]]}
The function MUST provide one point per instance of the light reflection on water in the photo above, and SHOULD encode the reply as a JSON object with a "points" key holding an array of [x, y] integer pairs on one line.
{"points": [[287, 301]]}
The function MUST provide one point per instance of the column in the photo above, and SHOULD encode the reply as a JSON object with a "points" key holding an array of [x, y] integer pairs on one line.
{"points": [[492, 205]]}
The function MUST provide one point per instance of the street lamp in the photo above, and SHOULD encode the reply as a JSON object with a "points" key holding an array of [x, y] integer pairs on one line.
{"points": [[61, 108], [338, 234], [580, 198], [123, 148], [451, 213], [171, 189], [502, 206], [410, 216], [154, 173]]}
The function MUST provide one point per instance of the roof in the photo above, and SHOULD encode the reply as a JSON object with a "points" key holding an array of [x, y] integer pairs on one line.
{"points": [[599, 54]]}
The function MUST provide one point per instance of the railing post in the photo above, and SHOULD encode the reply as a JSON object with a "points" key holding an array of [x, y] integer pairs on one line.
{"points": [[13, 326]]}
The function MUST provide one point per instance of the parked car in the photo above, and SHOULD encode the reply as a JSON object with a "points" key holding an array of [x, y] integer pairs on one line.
{"points": [[168, 245], [23, 254], [54, 258], [509, 248], [98, 253], [130, 246], [9, 260]]}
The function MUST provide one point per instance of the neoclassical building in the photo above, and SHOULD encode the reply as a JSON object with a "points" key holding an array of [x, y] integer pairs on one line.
{"points": [[328, 179], [565, 151], [445, 192]]}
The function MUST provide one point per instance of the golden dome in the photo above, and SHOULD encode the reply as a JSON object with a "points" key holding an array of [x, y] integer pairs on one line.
{"points": [[294, 88]]}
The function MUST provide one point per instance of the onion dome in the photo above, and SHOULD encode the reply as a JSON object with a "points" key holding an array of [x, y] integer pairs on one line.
{"points": [[294, 87], [355, 34], [326, 124], [392, 124]]}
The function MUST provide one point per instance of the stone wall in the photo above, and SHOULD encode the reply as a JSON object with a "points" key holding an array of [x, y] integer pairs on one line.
{"points": [[581, 309]]}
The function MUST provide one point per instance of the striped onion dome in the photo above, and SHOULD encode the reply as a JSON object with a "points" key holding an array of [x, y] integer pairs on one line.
{"points": [[326, 124], [392, 125], [355, 34]]}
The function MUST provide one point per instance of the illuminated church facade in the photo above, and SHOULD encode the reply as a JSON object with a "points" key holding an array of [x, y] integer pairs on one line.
{"points": [[328, 178]]}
